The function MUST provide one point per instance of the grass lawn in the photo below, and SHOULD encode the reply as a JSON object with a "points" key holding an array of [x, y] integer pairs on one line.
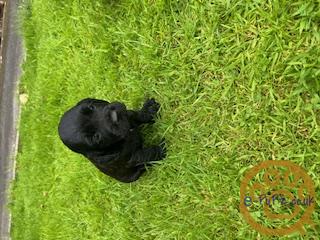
{"points": [[238, 82]]}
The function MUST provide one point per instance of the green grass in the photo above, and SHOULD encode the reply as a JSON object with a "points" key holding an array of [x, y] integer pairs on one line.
{"points": [[238, 82]]}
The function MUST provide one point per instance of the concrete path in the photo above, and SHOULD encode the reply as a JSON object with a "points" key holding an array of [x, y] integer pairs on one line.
{"points": [[9, 110]]}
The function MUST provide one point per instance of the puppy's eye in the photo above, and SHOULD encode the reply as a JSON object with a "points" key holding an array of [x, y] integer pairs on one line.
{"points": [[88, 109], [91, 107], [96, 137]]}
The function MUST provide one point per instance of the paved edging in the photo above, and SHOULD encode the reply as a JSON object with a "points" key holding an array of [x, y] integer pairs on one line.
{"points": [[9, 110]]}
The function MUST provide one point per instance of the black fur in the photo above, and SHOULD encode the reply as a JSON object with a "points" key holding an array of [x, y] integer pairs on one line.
{"points": [[108, 135]]}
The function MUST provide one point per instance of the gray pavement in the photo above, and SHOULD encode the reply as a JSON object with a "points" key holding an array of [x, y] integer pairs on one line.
{"points": [[9, 110]]}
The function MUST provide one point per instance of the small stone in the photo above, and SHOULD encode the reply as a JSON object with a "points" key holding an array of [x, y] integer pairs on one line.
{"points": [[23, 98]]}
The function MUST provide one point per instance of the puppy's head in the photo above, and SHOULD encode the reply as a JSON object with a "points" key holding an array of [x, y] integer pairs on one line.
{"points": [[93, 125]]}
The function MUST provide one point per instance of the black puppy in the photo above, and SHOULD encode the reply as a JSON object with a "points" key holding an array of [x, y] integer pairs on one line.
{"points": [[108, 135]]}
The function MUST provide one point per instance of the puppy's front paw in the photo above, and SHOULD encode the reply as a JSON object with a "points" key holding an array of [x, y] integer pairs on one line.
{"points": [[150, 109]]}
